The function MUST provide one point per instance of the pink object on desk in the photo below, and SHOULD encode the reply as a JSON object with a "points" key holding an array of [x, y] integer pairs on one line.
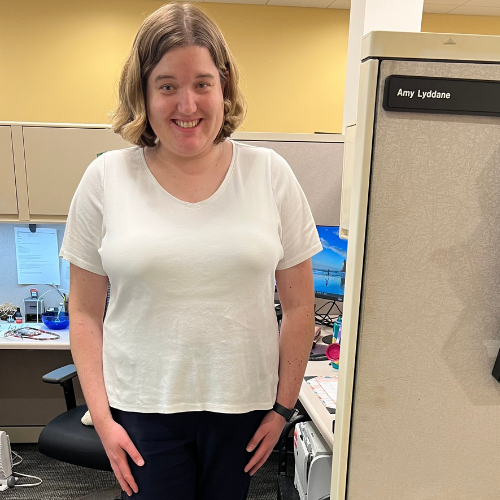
{"points": [[333, 352]]}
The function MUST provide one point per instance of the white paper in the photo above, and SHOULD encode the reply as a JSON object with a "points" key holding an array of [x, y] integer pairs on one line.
{"points": [[326, 389], [37, 256]]}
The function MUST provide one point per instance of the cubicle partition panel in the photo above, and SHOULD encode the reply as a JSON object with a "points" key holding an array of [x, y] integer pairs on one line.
{"points": [[318, 168], [425, 408]]}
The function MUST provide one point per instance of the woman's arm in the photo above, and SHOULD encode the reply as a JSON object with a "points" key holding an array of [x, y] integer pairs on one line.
{"points": [[296, 292], [86, 310]]}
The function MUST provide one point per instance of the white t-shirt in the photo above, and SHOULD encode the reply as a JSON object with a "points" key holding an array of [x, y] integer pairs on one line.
{"points": [[190, 323]]}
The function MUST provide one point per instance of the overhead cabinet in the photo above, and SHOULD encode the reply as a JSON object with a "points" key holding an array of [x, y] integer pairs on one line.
{"points": [[48, 163], [56, 159]]}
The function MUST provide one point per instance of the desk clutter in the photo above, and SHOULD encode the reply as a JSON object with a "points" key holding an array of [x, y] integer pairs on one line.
{"points": [[26, 332], [327, 347], [35, 312], [7, 310], [326, 390]]}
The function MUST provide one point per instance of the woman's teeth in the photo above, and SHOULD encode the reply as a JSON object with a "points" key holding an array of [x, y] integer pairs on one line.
{"points": [[186, 124]]}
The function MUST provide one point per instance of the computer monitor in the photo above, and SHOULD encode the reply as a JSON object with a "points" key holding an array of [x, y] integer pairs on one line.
{"points": [[329, 265]]}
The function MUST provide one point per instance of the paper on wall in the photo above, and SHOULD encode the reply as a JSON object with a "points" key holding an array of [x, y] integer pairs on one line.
{"points": [[37, 256]]}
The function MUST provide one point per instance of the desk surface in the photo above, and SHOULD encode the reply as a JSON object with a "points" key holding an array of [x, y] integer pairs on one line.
{"points": [[61, 343]]}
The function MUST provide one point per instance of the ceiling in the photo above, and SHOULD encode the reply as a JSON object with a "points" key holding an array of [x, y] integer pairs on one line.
{"points": [[463, 7]]}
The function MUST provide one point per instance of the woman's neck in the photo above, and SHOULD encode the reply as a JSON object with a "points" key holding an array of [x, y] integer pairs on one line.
{"points": [[198, 165]]}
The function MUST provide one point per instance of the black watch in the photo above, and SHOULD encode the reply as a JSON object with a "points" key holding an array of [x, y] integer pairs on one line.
{"points": [[285, 412]]}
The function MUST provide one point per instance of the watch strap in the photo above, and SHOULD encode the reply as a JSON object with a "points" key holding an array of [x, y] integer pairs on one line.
{"points": [[284, 412]]}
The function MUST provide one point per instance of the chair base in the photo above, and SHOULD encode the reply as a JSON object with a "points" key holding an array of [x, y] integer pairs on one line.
{"points": [[113, 493]]}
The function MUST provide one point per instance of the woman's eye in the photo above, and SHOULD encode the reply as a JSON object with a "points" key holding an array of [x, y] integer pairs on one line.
{"points": [[205, 85], [165, 87]]}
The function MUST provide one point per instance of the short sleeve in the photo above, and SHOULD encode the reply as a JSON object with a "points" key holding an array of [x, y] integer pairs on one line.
{"points": [[84, 227], [298, 233]]}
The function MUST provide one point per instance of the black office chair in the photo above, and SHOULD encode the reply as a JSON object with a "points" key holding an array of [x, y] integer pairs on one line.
{"points": [[286, 489], [65, 438]]}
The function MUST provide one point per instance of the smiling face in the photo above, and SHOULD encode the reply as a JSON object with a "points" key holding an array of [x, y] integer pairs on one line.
{"points": [[184, 101]]}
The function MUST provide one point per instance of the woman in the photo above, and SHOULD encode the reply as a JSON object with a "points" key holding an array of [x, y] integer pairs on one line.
{"points": [[188, 382]]}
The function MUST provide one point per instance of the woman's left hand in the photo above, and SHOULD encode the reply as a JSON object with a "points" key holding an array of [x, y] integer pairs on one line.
{"points": [[267, 435]]}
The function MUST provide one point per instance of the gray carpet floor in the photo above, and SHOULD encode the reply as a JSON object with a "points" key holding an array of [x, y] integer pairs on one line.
{"points": [[63, 481]]}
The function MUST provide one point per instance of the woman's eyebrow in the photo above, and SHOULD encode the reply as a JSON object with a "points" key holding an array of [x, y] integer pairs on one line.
{"points": [[168, 77]]}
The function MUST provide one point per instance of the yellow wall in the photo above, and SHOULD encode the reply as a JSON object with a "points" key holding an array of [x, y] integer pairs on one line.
{"points": [[479, 25], [63, 58]]}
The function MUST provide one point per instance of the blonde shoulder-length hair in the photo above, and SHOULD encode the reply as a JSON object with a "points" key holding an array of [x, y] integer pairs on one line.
{"points": [[173, 25]]}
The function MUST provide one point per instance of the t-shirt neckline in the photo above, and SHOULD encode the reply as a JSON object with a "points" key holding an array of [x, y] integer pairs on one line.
{"points": [[188, 204]]}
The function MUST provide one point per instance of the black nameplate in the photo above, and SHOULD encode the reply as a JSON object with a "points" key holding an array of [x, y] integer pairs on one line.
{"points": [[442, 95]]}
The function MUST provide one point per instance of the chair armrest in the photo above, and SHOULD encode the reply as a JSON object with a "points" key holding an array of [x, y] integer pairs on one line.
{"points": [[63, 376], [60, 375]]}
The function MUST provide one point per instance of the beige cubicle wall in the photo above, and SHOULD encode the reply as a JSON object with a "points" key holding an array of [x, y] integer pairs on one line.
{"points": [[418, 407], [43, 164], [56, 157], [318, 168], [425, 406]]}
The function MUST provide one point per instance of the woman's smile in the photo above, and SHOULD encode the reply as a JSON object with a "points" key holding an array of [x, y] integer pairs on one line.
{"points": [[187, 126]]}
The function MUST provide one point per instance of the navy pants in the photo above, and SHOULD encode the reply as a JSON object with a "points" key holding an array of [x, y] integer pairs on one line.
{"points": [[197, 455]]}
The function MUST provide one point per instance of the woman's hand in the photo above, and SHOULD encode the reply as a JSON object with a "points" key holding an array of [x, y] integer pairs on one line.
{"points": [[267, 435], [117, 444]]}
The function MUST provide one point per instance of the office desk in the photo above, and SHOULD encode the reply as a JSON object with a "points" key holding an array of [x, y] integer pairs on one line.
{"points": [[26, 403], [318, 413]]}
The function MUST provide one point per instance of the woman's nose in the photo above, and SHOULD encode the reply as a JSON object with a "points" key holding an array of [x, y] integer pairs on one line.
{"points": [[186, 104]]}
